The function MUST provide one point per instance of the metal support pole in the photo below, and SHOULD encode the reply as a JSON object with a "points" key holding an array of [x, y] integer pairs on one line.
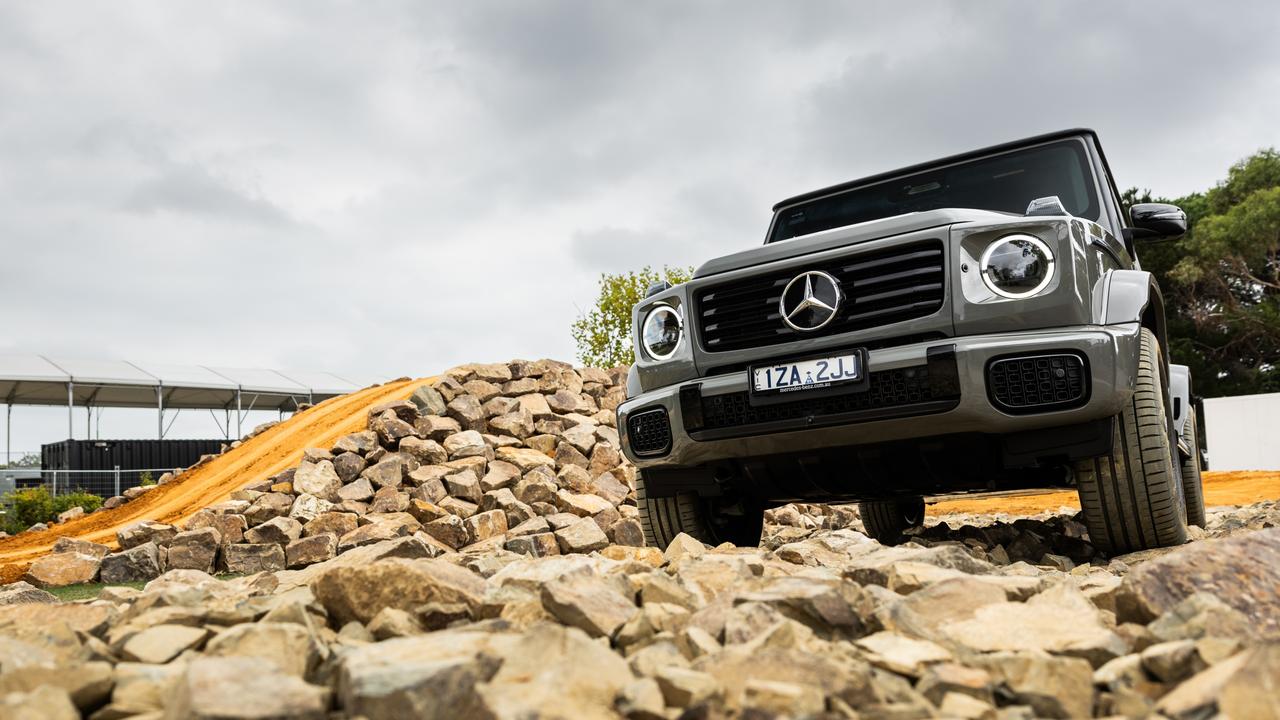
{"points": [[117, 478], [71, 404], [8, 433], [88, 422], [55, 483], [160, 410], [226, 429], [239, 417]]}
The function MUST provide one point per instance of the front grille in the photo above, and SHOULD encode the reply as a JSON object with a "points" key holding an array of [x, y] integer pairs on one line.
{"points": [[649, 432], [880, 287], [1038, 383], [886, 389]]}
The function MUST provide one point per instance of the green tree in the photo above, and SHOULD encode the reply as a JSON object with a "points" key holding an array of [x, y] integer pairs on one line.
{"points": [[1222, 280], [603, 335]]}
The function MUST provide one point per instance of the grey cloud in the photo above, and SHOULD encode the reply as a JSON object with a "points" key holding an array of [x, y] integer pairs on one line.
{"points": [[392, 188]]}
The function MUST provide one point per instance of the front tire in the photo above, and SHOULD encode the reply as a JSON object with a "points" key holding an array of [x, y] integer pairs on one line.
{"points": [[710, 521], [1192, 484], [888, 520], [1132, 497]]}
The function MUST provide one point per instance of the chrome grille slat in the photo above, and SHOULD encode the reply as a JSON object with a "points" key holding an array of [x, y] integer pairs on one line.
{"points": [[881, 286]]}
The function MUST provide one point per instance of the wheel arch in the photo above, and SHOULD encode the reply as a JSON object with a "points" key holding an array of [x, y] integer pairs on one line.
{"points": [[1134, 296]]}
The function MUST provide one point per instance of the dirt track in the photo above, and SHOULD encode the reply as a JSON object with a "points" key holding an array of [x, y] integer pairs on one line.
{"points": [[259, 457], [1220, 488]]}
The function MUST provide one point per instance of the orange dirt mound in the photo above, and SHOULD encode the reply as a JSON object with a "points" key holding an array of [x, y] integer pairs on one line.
{"points": [[259, 457], [1242, 487]]}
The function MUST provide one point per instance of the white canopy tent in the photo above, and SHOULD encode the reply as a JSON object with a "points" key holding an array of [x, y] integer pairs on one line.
{"points": [[43, 380]]}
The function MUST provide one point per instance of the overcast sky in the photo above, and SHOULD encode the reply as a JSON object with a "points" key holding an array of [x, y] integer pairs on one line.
{"points": [[391, 188]]}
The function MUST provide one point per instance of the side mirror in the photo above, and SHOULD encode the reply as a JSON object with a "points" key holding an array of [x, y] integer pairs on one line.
{"points": [[1157, 221]]}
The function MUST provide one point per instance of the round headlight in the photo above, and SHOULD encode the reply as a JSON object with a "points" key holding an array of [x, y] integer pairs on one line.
{"points": [[1017, 266], [660, 332]]}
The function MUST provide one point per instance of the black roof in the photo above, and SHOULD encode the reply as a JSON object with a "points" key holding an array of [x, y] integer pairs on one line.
{"points": [[1060, 134]]}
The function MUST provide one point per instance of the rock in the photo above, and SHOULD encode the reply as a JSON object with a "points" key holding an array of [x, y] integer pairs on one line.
{"points": [[535, 544], [195, 549], [425, 451], [589, 604], [84, 547], [682, 687], [161, 643], [582, 536], [784, 698], [230, 527], [1055, 687], [550, 668], [428, 401], [348, 466], [943, 679], [524, 458], [626, 531], [485, 525], [42, 703], [1199, 615], [390, 428], [432, 677], [389, 500], [261, 692], [901, 654], [467, 443], [280, 531], [394, 623], [436, 428], [386, 473], [145, 532], [1243, 571], [311, 550], [333, 523], [465, 486], [22, 592], [683, 545], [1060, 621], [371, 534], [360, 442], [1240, 686], [1172, 662], [358, 593], [63, 568], [87, 684], [467, 411], [450, 530], [319, 479], [141, 562], [290, 646], [247, 558]]}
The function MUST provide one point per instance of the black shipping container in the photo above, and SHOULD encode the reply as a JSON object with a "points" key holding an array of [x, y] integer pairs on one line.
{"points": [[133, 457]]}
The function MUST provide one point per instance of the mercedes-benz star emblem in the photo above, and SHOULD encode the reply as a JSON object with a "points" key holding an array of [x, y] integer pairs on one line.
{"points": [[810, 301]]}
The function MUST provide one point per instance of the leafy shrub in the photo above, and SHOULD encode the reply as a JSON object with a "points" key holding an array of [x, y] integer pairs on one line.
{"points": [[146, 479], [28, 507], [35, 505], [78, 498]]}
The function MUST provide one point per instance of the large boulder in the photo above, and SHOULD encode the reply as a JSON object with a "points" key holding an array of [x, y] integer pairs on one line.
{"points": [[1243, 571], [214, 688], [23, 592], [318, 479], [64, 568], [133, 565], [358, 593]]}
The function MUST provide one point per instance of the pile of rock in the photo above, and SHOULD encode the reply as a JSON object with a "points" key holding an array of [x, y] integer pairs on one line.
{"points": [[830, 625], [519, 456]]}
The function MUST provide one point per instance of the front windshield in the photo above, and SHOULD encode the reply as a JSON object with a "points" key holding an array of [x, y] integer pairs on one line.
{"points": [[1003, 183]]}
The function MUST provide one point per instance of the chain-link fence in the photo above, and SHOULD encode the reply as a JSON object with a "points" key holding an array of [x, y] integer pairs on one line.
{"points": [[103, 483]]}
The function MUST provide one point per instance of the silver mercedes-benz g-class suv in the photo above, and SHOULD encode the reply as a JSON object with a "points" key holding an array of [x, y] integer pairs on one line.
{"points": [[974, 324]]}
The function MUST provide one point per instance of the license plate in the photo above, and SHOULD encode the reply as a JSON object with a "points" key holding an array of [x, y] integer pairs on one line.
{"points": [[803, 375]]}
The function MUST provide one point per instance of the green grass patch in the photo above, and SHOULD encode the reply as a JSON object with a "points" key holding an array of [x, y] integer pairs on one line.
{"points": [[90, 591], [87, 591]]}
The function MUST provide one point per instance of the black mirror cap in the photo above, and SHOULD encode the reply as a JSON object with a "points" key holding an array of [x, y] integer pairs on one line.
{"points": [[1157, 221]]}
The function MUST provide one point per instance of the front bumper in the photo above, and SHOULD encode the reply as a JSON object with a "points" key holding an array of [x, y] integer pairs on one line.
{"points": [[1110, 353]]}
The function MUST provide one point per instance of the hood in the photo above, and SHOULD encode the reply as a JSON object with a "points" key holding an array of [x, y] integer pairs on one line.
{"points": [[842, 236]]}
